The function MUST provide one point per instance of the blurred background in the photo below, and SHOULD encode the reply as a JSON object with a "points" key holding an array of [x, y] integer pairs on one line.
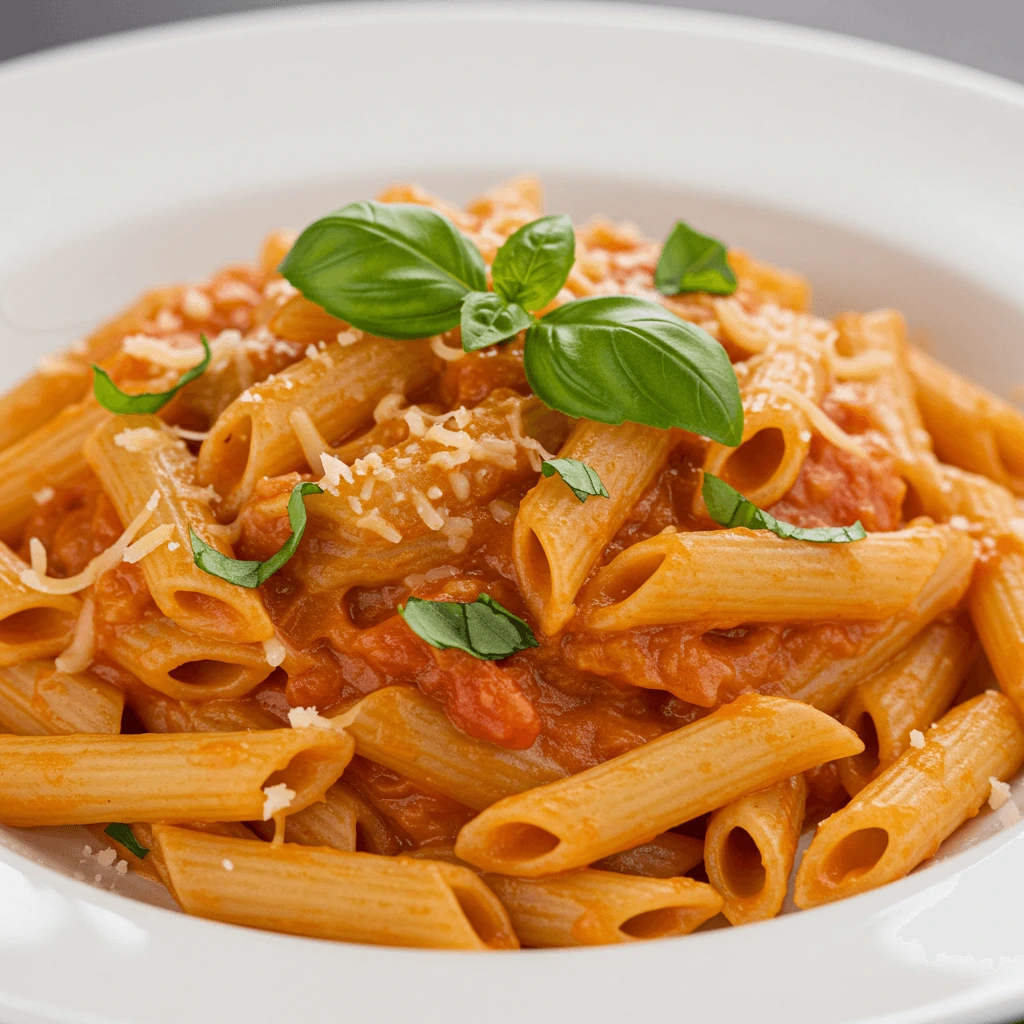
{"points": [[988, 34]]}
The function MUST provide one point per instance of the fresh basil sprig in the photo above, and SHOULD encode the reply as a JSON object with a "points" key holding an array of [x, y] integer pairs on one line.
{"points": [[488, 319], [692, 262], [615, 358], [250, 574], [729, 508], [482, 628], [123, 834], [578, 477], [396, 270], [111, 397]]}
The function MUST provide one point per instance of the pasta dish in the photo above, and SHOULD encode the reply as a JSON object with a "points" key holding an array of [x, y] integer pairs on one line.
{"points": [[468, 579]]}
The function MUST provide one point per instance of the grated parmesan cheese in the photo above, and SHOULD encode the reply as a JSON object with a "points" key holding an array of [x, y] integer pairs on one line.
{"points": [[43, 495], [227, 865], [173, 545], [106, 857], [916, 739], [389, 407], [445, 352], [355, 504], [78, 656], [138, 439], [275, 651], [276, 799], [148, 544], [458, 530], [502, 511], [425, 510], [959, 522], [349, 337], [434, 493], [307, 718], [334, 472], [196, 305], [161, 352], [460, 485], [999, 793], [376, 523], [439, 572], [280, 289]]}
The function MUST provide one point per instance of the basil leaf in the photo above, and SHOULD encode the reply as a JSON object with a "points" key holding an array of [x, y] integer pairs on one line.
{"points": [[618, 358], [122, 834], [396, 270], [534, 262], [251, 573], [482, 628], [692, 262], [111, 397], [578, 476], [487, 319], [729, 508]]}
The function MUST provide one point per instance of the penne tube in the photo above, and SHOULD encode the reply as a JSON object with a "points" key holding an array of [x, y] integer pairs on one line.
{"points": [[50, 456], [557, 539], [776, 434], [830, 683], [911, 692], [971, 428], [409, 508], [186, 666], [899, 818], [32, 625], [749, 744], [197, 601], [37, 700], [665, 856], [733, 576], [404, 730], [65, 377], [749, 849], [78, 780], [599, 908], [331, 894], [338, 388], [996, 604]]}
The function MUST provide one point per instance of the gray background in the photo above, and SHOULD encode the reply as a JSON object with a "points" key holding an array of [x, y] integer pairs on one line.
{"points": [[988, 34]]}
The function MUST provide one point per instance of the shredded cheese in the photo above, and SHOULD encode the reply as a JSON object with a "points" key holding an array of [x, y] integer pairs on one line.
{"points": [[999, 793], [916, 739], [445, 352], [425, 510], [275, 651], [43, 495], [37, 556], [311, 441], [146, 545], [334, 472], [389, 407], [349, 337], [502, 511], [196, 305], [190, 435], [227, 865], [376, 523], [458, 530], [460, 485], [138, 439], [98, 565], [79, 654], [276, 799], [307, 718], [161, 352], [818, 420]]}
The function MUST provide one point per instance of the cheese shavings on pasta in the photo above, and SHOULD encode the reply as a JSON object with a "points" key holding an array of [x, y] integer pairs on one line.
{"points": [[102, 562], [276, 799], [138, 439], [79, 654], [161, 352], [307, 718], [818, 420], [1000, 793], [275, 651]]}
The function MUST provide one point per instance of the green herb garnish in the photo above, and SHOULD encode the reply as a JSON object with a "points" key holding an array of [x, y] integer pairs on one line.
{"points": [[123, 834], [618, 358], [250, 573], [729, 508], [534, 262], [111, 397], [488, 319], [396, 270], [692, 262], [578, 477], [482, 628]]}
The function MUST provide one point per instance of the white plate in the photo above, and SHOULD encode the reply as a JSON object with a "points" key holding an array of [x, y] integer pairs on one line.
{"points": [[888, 177]]}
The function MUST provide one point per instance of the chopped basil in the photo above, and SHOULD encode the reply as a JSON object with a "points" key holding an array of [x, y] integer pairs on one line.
{"points": [[487, 319], [250, 573], [396, 270], [619, 358], [482, 628], [729, 508], [534, 262], [578, 477], [123, 834], [111, 397], [692, 262]]}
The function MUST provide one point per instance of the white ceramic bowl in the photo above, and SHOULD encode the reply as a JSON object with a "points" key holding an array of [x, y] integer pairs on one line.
{"points": [[889, 178]]}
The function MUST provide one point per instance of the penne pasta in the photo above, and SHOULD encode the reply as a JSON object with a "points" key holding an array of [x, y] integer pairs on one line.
{"points": [[776, 433], [186, 666], [77, 780], [996, 604], [747, 745], [910, 693], [749, 849], [899, 818], [330, 894], [665, 856], [740, 575], [254, 437], [558, 540], [971, 428], [197, 601], [401, 729], [38, 700], [599, 908], [32, 625]]}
